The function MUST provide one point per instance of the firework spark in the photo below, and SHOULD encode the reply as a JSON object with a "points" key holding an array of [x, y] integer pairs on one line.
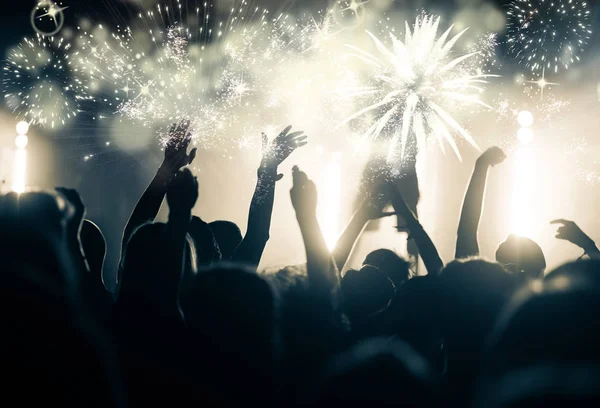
{"points": [[38, 83], [415, 86], [544, 34], [167, 70]]}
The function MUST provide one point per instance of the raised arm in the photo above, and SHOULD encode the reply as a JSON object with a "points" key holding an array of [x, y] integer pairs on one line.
{"points": [[569, 231], [466, 242], [176, 157], [182, 194], [370, 209], [322, 274], [250, 250], [428, 251]]}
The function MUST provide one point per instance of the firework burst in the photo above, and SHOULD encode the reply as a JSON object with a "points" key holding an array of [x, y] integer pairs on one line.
{"points": [[38, 82], [173, 63], [416, 85], [548, 34]]}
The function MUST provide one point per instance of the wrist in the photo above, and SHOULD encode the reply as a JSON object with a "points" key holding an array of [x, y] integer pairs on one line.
{"points": [[267, 169], [588, 245], [165, 170], [481, 164], [306, 216]]}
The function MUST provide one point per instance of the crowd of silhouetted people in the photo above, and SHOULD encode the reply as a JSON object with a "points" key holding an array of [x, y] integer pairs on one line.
{"points": [[193, 322]]}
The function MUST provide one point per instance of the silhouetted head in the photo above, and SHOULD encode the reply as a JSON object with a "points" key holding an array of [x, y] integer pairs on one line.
{"points": [[143, 265], [377, 373], [228, 236], [521, 255], [588, 269], [43, 329], [231, 314], [475, 288], [543, 386], [366, 292], [94, 246], [555, 321], [48, 212], [232, 305], [32, 233], [392, 264], [414, 314]]}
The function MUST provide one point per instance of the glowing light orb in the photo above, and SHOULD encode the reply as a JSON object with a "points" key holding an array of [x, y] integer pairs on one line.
{"points": [[21, 141], [525, 136], [548, 34], [525, 118], [22, 128]]}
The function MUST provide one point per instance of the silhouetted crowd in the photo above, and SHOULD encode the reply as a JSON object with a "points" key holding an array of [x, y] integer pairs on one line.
{"points": [[193, 323]]}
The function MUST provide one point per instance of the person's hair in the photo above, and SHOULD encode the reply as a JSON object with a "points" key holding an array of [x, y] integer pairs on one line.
{"points": [[476, 288], [541, 386], [142, 273], [230, 312], [392, 264], [521, 255], [366, 292], [228, 237], [94, 246], [555, 321], [378, 372]]}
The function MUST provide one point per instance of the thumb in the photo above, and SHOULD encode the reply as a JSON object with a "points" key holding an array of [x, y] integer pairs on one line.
{"points": [[265, 142], [193, 155], [279, 177]]}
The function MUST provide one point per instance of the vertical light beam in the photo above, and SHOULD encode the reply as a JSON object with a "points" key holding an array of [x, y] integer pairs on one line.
{"points": [[330, 200]]}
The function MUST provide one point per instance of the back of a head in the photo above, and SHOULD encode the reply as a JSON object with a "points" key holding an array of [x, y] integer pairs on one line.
{"points": [[378, 372], [552, 322], [472, 293], [588, 269], [521, 255], [43, 330], [232, 306], [228, 237], [141, 263], [542, 386], [32, 232], [230, 313], [414, 316], [94, 246], [392, 264], [366, 292]]}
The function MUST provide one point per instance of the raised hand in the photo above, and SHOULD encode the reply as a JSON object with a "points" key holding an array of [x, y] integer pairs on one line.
{"points": [[182, 191], [492, 156], [372, 207], [303, 194], [176, 147], [281, 147], [76, 221], [569, 231]]}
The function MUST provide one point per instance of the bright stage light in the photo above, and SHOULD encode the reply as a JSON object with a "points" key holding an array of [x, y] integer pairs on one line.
{"points": [[330, 200], [523, 200], [22, 128], [525, 118], [20, 168], [21, 141], [525, 136]]}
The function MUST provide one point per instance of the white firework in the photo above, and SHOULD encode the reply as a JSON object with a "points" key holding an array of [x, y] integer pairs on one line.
{"points": [[38, 83], [415, 87], [548, 34]]}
